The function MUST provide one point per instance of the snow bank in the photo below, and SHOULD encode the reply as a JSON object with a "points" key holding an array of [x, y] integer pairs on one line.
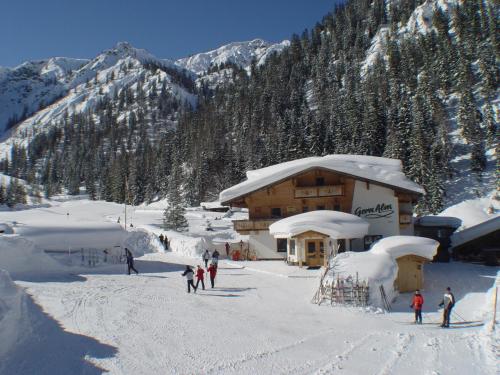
{"points": [[188, 246], [141, 242], [19, 255], [378, 266], [377, 269], [11, 325], [6, 229], [333, 223], [383, 170]]}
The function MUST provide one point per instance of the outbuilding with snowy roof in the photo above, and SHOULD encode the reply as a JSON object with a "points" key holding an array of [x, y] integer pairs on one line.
{"points": [[313, 236], [480, 242], [394, 263]]}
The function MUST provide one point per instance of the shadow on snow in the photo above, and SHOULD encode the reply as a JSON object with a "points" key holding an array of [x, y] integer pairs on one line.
{"points": [[49, 349]]}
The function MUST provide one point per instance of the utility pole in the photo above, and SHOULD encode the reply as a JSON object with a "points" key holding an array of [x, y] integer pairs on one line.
{"points": [[126, 198]]}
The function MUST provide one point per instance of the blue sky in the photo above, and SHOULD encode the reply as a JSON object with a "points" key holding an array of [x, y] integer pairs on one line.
{"points": [[36, 29]]}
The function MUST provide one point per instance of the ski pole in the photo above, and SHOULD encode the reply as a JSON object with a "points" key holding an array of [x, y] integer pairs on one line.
{"points": [[458, 316], [426, 316]]}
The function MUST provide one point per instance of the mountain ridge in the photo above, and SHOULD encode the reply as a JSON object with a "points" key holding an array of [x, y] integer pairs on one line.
{"points": [[32, 85]]}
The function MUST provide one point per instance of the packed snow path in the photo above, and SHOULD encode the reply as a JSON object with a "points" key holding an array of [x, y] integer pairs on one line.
{"points": [[251, 323]]}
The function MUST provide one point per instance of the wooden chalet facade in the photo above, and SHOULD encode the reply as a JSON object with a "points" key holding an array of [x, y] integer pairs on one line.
{"points": [[388, 208]]}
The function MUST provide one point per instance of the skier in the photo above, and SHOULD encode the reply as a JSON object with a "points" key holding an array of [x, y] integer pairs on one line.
{"points": [[200, 276], [166, 242], [206, 257], [212, 270], [215, 258], [130, 261], [448, 303], [227, 248], [416, 304], [161, 238], [188, 272]]}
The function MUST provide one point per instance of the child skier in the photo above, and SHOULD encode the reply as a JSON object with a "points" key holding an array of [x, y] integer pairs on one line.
{"points": [[200, 276], [212, 270], [416, 304], [448, 303], [188, 272], [130, 261]]}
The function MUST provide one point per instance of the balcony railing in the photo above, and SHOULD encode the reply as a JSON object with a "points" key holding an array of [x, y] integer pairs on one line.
{"points": [[319, 191], [249, 225]]}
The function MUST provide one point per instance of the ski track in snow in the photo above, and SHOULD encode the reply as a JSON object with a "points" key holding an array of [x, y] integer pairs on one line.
{"points": [[240, 328]]}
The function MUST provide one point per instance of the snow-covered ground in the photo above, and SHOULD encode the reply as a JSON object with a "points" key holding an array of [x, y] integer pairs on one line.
{"points": [[258, 319], [252, 322]]}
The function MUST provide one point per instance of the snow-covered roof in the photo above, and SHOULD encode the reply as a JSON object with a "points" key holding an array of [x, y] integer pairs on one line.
{"points": [[379, 170], [212, 205], [332, 223], [398, 246], [469, 234], [439, 221]]}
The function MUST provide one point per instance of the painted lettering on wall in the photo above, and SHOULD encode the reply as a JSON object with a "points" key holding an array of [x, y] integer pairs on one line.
{"points": [[379, 211]]}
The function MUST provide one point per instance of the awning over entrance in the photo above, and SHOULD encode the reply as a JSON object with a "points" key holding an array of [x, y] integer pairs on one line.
{"points": [[335, 224]]}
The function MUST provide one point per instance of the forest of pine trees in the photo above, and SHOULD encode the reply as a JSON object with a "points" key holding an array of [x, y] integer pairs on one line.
{"points": [[315, 98]]}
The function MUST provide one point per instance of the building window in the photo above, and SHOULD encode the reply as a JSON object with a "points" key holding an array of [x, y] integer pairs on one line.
{"points": [[281, 245], [320, 207], [275, 212], [292, 247], [305, 209], [311, 247], [320, 181]]}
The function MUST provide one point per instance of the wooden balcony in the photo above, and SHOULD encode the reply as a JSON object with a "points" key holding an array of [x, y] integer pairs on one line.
{"points": [[244, 226], [319, 191]]}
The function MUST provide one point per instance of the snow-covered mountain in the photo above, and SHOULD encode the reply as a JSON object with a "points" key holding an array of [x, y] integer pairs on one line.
{"points": [[41, 93], [38, 93], [29, 86], [239, 53]]}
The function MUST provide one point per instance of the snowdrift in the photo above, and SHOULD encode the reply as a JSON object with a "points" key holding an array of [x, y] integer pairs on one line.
{"points": [[378, 266], [11, 324], [18, 255], [188, 246], [142, 242]]}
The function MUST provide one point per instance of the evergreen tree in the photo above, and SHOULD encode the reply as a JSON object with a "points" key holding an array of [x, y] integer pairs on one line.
{"points": [[174, 215]]}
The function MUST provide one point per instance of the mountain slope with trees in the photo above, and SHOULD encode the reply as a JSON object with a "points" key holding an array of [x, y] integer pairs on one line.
{"points": [[409, 79]]}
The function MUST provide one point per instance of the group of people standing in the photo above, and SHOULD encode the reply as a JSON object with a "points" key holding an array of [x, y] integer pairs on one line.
{"points": [[164, 241], [190, 274], [447, 303]]}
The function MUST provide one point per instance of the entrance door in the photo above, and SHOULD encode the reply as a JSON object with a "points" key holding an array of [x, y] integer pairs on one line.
{"points": [[409, 274], [315, 253]]}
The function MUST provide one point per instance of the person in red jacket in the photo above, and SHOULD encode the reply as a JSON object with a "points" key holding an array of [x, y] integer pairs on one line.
{"points": [[200, 276], [416, 304], [212, 270]]}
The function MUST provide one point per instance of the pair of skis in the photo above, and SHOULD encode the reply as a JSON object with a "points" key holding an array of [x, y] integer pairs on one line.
{"points": [[464, 324]]}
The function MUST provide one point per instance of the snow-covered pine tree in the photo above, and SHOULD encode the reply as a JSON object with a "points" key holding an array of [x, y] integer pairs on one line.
{"points": [[3, 193], [173, 216]]}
